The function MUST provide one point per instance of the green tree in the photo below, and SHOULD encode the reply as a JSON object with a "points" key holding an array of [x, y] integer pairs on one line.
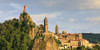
{"points": [[14, 35], [88, 48], [81, 48]]}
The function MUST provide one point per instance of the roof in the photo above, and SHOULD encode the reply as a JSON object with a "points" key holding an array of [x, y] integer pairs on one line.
{"points": [[63, 34], [73, 34], [76, 39], [74, 45], [91, 43]]}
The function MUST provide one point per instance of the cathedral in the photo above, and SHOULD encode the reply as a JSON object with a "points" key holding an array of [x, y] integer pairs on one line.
{"points": [[72, 40], [43, 28]]}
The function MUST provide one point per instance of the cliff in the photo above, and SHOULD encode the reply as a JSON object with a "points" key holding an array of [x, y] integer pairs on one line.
{"points": [[46, 42], [33, 30]]}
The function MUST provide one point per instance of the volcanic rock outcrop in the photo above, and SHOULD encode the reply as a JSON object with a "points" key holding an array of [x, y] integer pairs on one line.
{"points": [[25, 17], [45, 42]]}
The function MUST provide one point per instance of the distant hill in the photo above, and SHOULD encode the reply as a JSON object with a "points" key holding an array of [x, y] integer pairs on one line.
{"points": [[92, 37]]}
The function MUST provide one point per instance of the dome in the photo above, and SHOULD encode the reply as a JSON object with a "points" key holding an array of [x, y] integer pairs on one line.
{"points": [[80, 34], [64, 32]]}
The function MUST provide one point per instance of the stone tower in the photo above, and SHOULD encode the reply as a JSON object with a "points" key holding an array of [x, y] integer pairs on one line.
{"points": [[57, 30], [80, 36], [45, 24]]}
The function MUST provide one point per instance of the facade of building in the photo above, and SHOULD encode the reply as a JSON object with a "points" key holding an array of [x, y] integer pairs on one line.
{"points": [[41, 28], [73, 40]]}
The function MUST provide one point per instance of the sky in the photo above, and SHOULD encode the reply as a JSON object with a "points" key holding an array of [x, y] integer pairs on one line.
{"points": [[73, 16]]}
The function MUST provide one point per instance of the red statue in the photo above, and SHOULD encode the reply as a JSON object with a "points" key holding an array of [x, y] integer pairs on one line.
{"points": [[24, 8]]}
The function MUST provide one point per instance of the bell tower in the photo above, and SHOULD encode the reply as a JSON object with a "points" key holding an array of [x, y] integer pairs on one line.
{"points": [[57, 30], [45, 24]]}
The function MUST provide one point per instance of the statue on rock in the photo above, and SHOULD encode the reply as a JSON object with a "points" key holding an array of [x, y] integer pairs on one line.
{"points": [[24, 9], [25, 17]]}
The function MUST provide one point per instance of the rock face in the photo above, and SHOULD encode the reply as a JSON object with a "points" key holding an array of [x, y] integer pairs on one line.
{"points": [[25, 17], [46, 42]]}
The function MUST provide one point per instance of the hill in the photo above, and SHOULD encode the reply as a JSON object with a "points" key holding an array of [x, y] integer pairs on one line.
{"points": [[14, 35], [92, 37], [21, 34]]}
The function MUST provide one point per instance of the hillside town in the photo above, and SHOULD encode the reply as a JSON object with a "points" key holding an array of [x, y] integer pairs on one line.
{"points": [[68, 40], [24, 34]]}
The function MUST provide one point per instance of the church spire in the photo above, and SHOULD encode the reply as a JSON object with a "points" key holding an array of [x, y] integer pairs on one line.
{"points": [[57, 30], [24, 8]]}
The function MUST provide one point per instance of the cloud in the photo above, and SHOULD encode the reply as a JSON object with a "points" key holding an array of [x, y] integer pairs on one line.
{"points": [[70, 4], [13, 17], [93, 19], [16, 6], [50, 3], [90, 4], [72, 20], [76, 27], [1, 12], [9, 18], [39, 17]]}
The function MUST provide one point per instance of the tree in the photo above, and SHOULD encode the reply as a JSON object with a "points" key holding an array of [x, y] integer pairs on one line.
{"points": [[97, 47], [14, 35], [88, 48], [81, 48]]}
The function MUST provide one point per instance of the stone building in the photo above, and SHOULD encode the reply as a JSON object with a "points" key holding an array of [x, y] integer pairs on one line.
{"points": [[45, 24], [73, 40], [64, 32], [41, 28], [57, 30]]}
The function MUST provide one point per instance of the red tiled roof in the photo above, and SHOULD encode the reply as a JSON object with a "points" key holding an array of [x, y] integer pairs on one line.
{"points": [[72, 34], [76, 39], [63, 34], [91, 43], [41, 25], [74, 45]]}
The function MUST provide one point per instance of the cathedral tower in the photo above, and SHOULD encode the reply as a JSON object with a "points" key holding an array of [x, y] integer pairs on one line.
{"points": [[57, 30], [45, 24]]}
